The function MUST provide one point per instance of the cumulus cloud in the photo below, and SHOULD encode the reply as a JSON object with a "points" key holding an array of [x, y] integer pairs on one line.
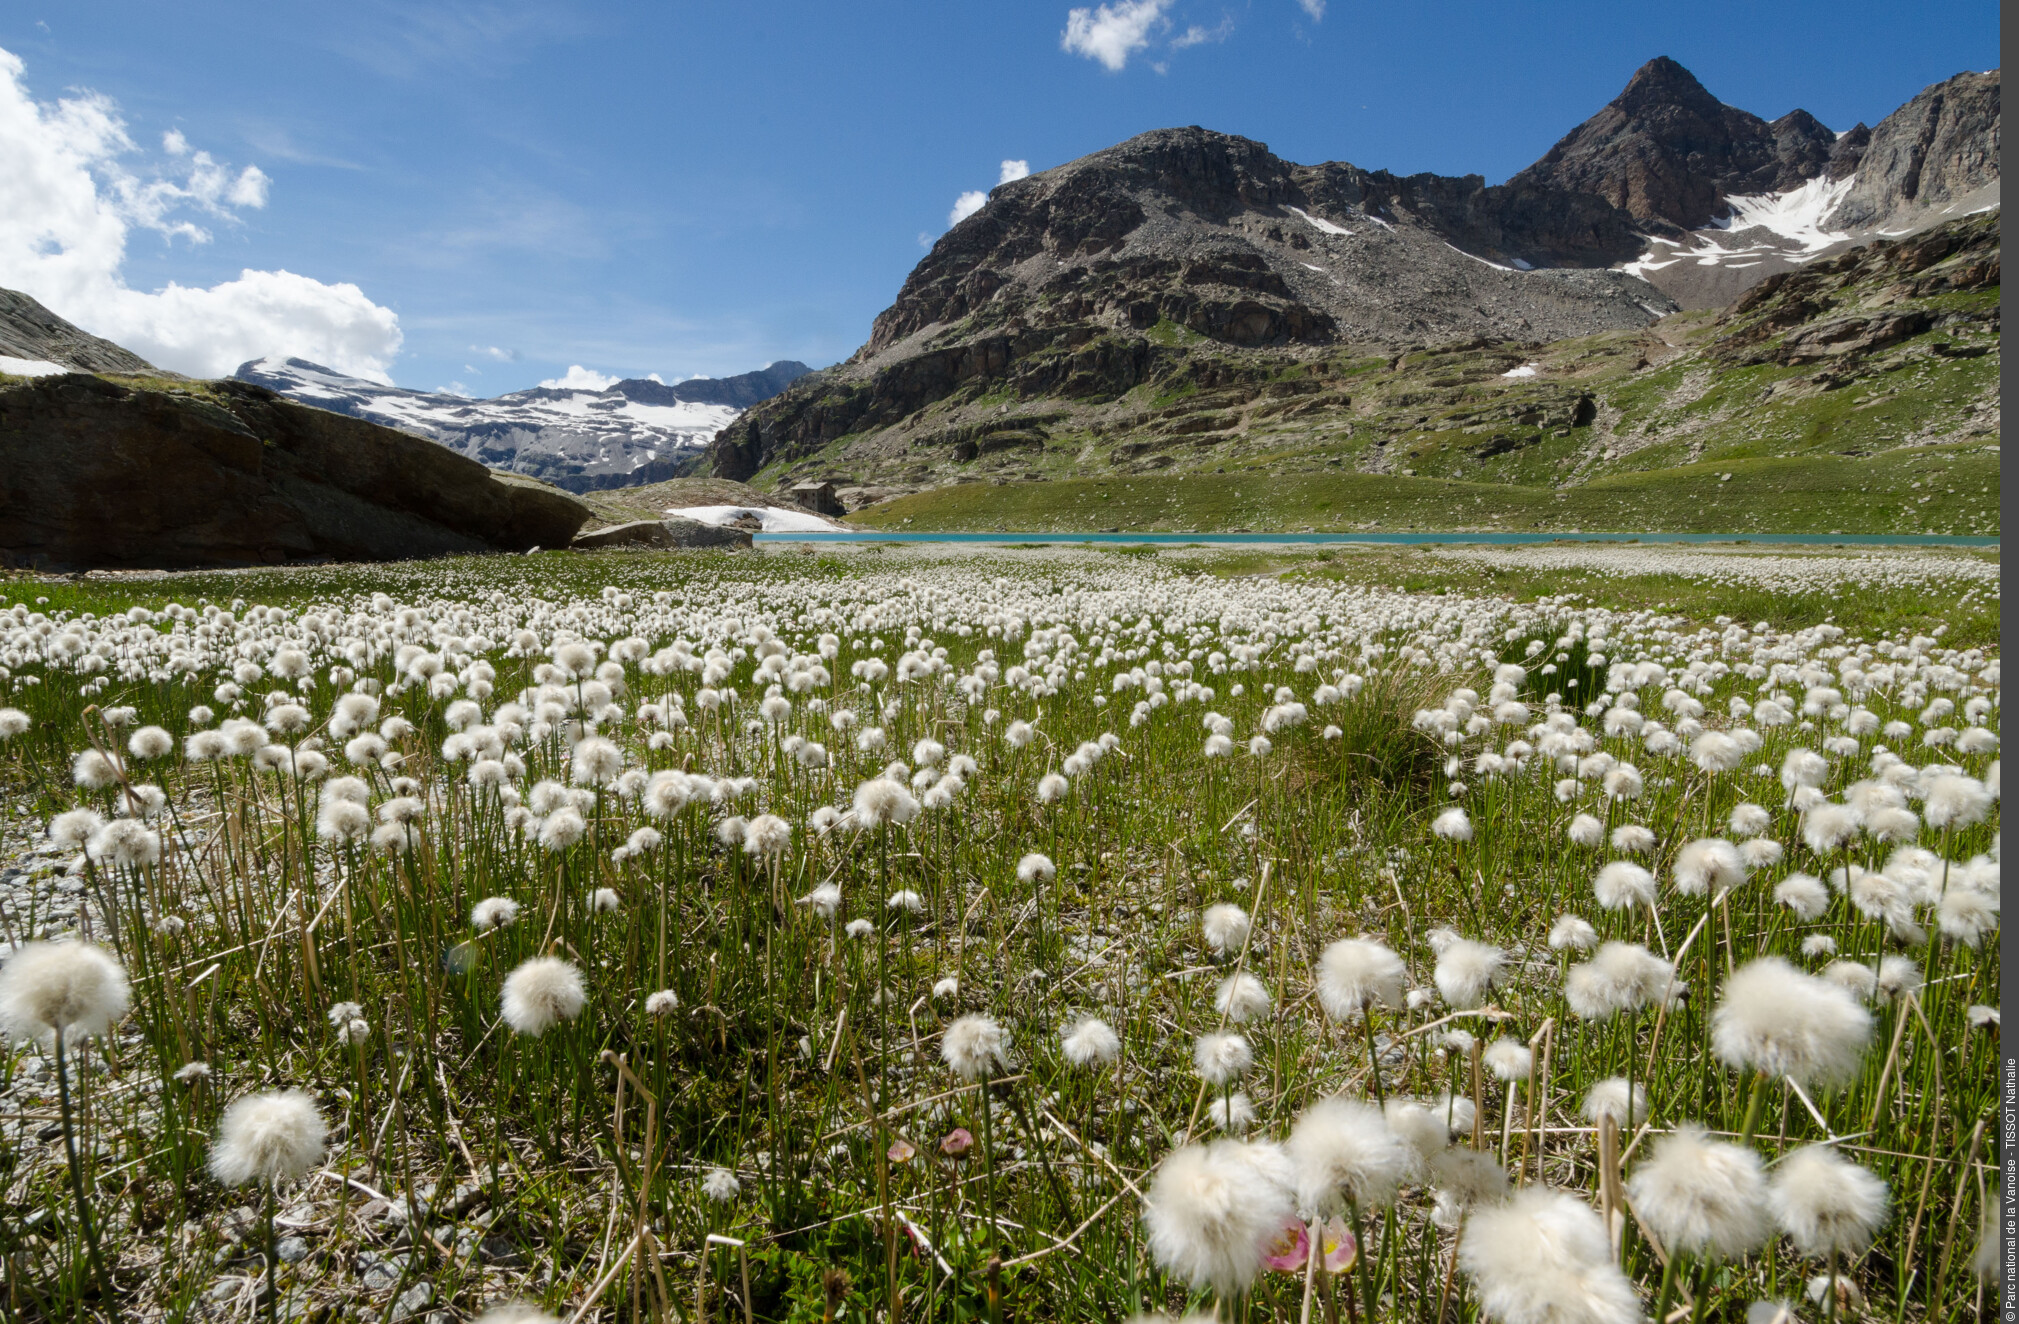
{"points": [[579, 378], [1111, 33], [69, 199], [1315, 8], [972, 201]]}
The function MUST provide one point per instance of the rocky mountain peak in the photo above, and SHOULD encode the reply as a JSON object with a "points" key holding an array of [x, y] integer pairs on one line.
{"points": [[1668, 152]]}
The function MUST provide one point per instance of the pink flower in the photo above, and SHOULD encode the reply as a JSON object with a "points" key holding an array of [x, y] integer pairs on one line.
{"points": [[901, 1150], [1292, 1247], [958, 1142]]}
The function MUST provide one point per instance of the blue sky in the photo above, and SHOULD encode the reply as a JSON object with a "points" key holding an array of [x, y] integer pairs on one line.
{"points": [[702, 188]]}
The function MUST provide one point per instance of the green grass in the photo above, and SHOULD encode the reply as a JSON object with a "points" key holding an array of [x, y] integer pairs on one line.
{"points": [[1805, 494]]}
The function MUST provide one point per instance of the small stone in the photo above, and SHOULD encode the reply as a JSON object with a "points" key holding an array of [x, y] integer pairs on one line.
{"points": [[227, 1289], [414, 1300], [379, 1272], [292, 1250]]}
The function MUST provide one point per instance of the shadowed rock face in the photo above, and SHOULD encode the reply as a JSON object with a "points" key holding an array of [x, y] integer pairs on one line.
{"points": [[1666, 150], [98, 473], [1937, 149], [30, 331]]}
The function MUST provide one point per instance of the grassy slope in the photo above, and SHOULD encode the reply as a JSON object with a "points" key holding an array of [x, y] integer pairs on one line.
{"points": [[1883, 493]]}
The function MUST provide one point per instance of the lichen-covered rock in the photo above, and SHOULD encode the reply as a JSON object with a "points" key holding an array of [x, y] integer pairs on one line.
{"points": [[671, 532]]}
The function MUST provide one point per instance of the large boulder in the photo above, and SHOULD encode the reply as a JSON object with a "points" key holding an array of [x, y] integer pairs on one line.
{"points": [[103, 473]]}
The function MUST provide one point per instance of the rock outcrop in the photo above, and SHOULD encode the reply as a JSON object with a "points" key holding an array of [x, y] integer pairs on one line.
{"points": [[1938, 150], [1667, 152], [30, 331], [96, 472], [674, 531]]}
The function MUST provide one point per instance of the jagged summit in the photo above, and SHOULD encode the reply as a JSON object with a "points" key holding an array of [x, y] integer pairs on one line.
{"points": [[1666, 151]]}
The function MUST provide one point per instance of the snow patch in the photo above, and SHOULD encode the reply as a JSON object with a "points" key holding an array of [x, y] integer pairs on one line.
{"points": [[1476, 258], [770, 518], [1525, 370], [1318, 222], [14, 367], [1799, 214]]}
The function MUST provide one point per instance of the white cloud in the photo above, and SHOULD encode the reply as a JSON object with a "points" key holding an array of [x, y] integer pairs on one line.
{"points": [[69, 200], [579, 378], [1112, 33], [494, 352], [1315, 8], [1198, 36], [966, 205], [1013, 171]]}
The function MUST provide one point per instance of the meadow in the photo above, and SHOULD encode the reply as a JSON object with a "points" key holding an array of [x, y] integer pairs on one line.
{"points": [[1004, 934]]}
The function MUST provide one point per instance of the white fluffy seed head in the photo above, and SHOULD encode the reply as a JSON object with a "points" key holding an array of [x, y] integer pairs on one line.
{"points": [[1091, 1041], [1343, 1150], [1036, 868], [541, 993], [1509, 1059], [1611, 1098], [1467, 971], [1623, 885], [974, 1046], [1585, 830], [1775, 1019], [1708, 865], [1621, 976], [1452, 825], [72, 987], [1572, 933], [1221, 1059], [1804, 894], [1701, 1196], [1544, 1258], [493, 912], [1242, 998], [1225, 927], [766, 836], [516, 1312], [1213, 1209], [1357, 973], [721, 1186], [1826, 1203], [267, 1138]]}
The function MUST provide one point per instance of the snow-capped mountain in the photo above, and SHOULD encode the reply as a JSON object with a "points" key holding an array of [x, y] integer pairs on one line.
{"points": [[637, 431]]}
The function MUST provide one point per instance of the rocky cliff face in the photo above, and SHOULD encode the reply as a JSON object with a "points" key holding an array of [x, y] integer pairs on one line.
{"points": [[1667, 152], [31, 332], [1086, 281], [103, 473], [1937, 153]]}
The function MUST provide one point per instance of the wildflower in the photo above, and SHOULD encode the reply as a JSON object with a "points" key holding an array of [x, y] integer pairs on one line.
{"points": [[1828, 827], [74, 827], [1242, 998], [1232, 1113], [1826, 1204], [1804, 894], [1898, 976], [1714, 751], [1749, 820], [1803, 767], [1544, 1258], [1452, 825], [1572, 933], [1610, 1098], [563, 828], [1965, 914], [1467, 971], [949, 987], [1219, 746], [1213, 1210], [957, 1142], [858, 928], [95, 771], [1260, 746], [1701, 1196], [1036, 868], [605, 901], [881, 801], [1090, 1041], [1356, 973], [1633, 839], [1222, 1058], [1585, 831], [1855, 977], [516, 1312], [1508, 1059], [1052, 788], [1779, 1021], [1819, 944], [1711, 864], [825, 900], [596, 762], [1759, 853], [974, 1046], [1225, 927], [149, 742], [1344, 1150], [493, 912], [190, 1072], [663, 1003], [267, 1138], [542, 992], [906, 900], [1623, 885], [68, 988], [1956, 801], [12, 723], [766, 835]]}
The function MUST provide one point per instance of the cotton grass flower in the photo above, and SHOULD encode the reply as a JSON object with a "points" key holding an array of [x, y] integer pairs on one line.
{"points": [[1774, 1019], [1225, 928], [1452, 825], [1090, 1041], [1613, 1098], [542, 992], [1804, 894], [1544, 1258], [1709, 865], [1221, 1059], [1620, 977], [1508, 1059], [73, 989], [1035, 868], [1585, 830], [1633, 839], [1702, 1197], [1357, 973], [1572, 933], [975, 1047], [1212, 1211], [493, 912], [1242, 998], [720, 1185], [267, 1138], [1342, 1150], [1467, 971], [1232, 1113], [1825, 1203], [1623, 885]]}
